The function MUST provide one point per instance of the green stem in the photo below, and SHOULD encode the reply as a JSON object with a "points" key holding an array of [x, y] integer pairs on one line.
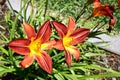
{"points": [[95, 26], [10, 6], [101, 27], [46, 6], [80, 14], [98, 23]]}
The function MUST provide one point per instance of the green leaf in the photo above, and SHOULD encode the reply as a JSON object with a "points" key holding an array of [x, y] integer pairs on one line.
{"points": [[59, 76], [2, 41], [94, 34], [70, 76], [3, 60], [4, 37], [94, 54], [97, 67], [81, 68], [106, 75], [4, 69], [3, 50]]}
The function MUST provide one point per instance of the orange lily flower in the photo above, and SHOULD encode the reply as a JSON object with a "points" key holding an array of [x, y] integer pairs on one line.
{"points": [[69, 37], [33, 47], [103, 10]]}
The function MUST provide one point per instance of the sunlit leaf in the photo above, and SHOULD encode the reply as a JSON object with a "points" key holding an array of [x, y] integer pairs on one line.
{"points": [[3, 50]]}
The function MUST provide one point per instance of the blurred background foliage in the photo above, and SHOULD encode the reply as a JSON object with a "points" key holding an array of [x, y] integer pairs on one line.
{"points": [[64, 9]]}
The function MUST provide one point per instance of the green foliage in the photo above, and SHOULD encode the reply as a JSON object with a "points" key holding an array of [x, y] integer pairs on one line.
{"points": [[4, 69]]}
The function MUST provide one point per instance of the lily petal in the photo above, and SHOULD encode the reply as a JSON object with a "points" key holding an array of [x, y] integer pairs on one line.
{"points": [[28, 60], [118, 3], [73, 51], [79, 35], [103, 11], [97, 3], [19, 42], [58, 45], [20, 46], [45, 62], [110, 9], [69, 51], [44, 32], [71, 25], [100, 11], [48, 45], [68, 58], [111, 23], [20, 50], [61, 28], [29, 30]]}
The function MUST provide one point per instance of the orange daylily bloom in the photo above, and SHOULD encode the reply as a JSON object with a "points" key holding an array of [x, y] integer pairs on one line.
{"points": [[33, 47], [103, 10], [69, 37]]}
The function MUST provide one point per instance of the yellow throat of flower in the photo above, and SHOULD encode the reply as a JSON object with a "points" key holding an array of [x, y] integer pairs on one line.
{"points": [[35, 47], [67, 41]]}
